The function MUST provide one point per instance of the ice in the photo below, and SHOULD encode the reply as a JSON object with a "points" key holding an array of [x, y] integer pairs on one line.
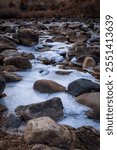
{"points": [[51, 56], [22, 93]]}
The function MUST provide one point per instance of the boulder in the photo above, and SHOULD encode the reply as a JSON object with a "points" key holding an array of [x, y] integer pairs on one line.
{"points": [[45, 130], [28, 37], [48, 86], [89, 62], [18, 62], [81, 86], [52, 108], [91, 100], [2, 84], [88, 137], [11, 77], [5, 43]]}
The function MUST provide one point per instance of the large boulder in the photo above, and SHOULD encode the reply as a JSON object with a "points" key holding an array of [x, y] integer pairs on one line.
{"points": [[6, 43], [81, 86], [45, 130], [18, 62], [48, 86], [2, 84], [52, 108], [28, 37], [91, 100]]}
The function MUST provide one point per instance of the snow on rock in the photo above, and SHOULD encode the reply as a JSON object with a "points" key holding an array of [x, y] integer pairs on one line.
{"points": [[50, 56]]}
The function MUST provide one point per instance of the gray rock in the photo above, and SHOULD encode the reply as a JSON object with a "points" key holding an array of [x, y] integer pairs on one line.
{"points": [[13, 121], [52, 108], [81, 86]]}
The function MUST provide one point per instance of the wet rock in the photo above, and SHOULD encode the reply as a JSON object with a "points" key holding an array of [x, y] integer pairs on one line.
{"points": [[18, 62], [13, 121], [5, 43], [11, 77], [45, 130], [89, 138], [28, 37], [2, 84], [52, 108], [2, 108], [89, 62], [91, 100], [81, 86], [48, 86]]}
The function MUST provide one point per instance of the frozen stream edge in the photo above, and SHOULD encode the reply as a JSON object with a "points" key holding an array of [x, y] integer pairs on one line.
{"points": [[22, 93]]}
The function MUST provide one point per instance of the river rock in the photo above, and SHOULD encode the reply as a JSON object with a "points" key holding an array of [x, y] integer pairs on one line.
{"points": [[2, 84], [45, 130], [10, 52], [5, 43], [11, 77], [52, 108], [28, 37], [28, 56], [13, 121], [89, 62], [89, 138], [45, 147], [2, 108], [81, 86], [91, 100], [48, 86], [18, 62], [10, 68]]}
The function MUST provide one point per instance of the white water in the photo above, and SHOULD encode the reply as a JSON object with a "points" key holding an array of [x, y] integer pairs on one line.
{"points": [[22, 93]]}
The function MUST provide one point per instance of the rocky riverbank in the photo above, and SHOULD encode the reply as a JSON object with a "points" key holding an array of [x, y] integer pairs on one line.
{"points": [[49, 84]]}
